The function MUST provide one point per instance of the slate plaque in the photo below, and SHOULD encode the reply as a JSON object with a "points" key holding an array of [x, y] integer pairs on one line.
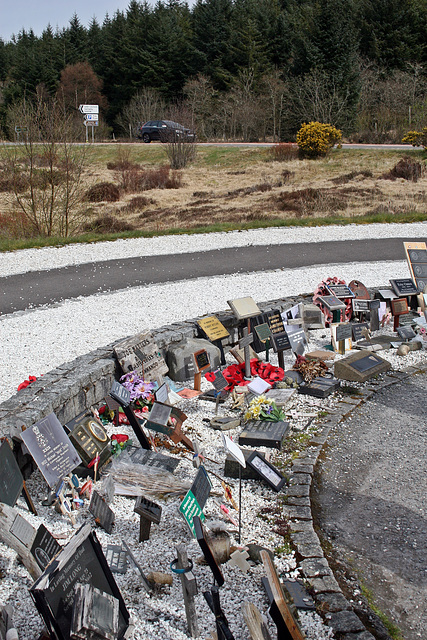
{"points": [[340, 291], [141, 354], [357, 329], [275, 323], [155, 460], [298, 341], [348, 369], [266, 471], [11, 480], [201, 359], [103, 514], [44, 547], [404, 287], [320, 387], [263, 332], [80, 561], [116, 557], [220, 381], [343, 331], [263, 433], [51, 449], [201, 486], [406, 333], [366, 363], [120, 394], [281, 342], [360, 306], [332, 302]]}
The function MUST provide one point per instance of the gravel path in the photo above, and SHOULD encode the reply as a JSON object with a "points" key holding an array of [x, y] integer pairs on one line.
{"points": [[373, 500]]}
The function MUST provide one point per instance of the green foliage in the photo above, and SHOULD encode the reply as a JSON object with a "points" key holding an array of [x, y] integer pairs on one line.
{"points": [[315, 139], [416, 138]]}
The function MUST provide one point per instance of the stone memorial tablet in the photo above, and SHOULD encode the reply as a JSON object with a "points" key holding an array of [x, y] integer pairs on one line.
{"points": [[154, 459], [358, 330], [342, 331], [341, 291], [332, 302], [320, 387], [51, 448], [207, 552], [11, 479], [213, 328], [359, 290], [360, 306], [141, 354], [262, 433], [404, 287], [360, 366], [266, 470], [244, 308], [298, 341], [101, 511], [406, 333], [280, 396], [116, 557], [220, 382], [44, 547], [201, 487], [80, 561], [299, 594]]}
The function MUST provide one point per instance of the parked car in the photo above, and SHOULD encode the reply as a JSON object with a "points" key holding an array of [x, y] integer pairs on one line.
{"points": [[165, 131]]}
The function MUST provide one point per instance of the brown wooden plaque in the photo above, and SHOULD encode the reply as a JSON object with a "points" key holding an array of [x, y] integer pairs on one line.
{"points": [[399, 306], [213, 328]]}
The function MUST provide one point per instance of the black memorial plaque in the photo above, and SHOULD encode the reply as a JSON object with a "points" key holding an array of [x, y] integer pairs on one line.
{"points": [[80, 561], [406, 333], [262, 433], [360, 306], [333, 303], [404, 287], [89, 438], [116, 557], [281, 342], [342, 331], [341, 291], [366, 363], [266, 470], [320, 387], [358, 329], [154, 459], [220, 382], [101, 511], [201, 359], [44, 547], [298, 341], [51, 449], [201, 487], [120, 394], [11, 479]]}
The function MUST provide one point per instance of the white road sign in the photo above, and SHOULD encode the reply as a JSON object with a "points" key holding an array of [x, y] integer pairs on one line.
{"points": [[91, 116], [89, 108]]}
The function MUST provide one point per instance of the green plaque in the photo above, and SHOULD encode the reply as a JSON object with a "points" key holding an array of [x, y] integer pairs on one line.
{"points": [[189, 508], [263, 332]]}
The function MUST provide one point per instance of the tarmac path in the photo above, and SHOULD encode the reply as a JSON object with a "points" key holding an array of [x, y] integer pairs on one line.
{"points": [[371, 500]]}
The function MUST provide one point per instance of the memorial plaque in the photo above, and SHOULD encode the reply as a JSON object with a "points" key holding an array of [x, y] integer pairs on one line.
{"points": [[51, 449], [201, 361], [149, 512], [312, 316], [116, 557], [207, 552], [360, 306], [23, 530], [341, 291], [101, 511], [262, 433], [358, 329], [280, 396], [266, 470], [355, 371], [162, 394], [359, 290], [44, 547], [141, 354], [244, 308], [404, 287], [406, 333], [263, 332], [80, 561], [213, 328], [299, 594], [233, 469], [342, 331], [89, 438], [11, 479], [399, 306], [320, 387], [95, 614], [387, 294], [154, 459], [201, 487], [281, 342], [189, 508], [120, 394], [298, 341], [220, 382], [416, 255], [332, 303]]}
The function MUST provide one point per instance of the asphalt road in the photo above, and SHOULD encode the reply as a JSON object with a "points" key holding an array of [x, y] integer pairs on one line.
{"points": [[37, 288]]}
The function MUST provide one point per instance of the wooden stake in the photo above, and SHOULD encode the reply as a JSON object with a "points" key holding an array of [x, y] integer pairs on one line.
{"points": [[189, 590]]}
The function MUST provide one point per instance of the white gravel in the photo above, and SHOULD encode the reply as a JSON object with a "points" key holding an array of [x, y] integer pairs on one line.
{"points": [[55, 257]]}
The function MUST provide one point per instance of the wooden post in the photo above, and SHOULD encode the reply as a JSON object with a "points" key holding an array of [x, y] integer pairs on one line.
{"points": [[189, 590], [7, 517], [257, 628]]}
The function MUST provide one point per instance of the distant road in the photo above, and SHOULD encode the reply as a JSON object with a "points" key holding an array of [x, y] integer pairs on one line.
{"points": [[36, 288]]}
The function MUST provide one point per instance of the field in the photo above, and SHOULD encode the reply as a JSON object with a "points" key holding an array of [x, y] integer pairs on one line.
{"points": [[134, 193]]}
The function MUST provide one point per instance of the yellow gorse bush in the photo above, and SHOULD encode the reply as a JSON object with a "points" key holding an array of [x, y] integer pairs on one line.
{"points": [[416, 138], [316, 138]]}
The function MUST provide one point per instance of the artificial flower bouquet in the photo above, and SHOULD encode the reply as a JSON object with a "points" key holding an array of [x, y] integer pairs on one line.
{"points": [[262, 408]]}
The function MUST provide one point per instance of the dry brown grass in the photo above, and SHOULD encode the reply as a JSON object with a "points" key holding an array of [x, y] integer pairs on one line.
{"points": [[246, 188]]}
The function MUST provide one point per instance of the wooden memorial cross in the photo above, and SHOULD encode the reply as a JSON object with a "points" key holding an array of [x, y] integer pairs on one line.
{"points": [[183, 566], [287, 626], [257, 628]]}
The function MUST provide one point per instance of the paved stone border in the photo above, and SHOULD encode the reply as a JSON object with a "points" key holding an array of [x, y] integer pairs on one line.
{"points": [[327, 593]]}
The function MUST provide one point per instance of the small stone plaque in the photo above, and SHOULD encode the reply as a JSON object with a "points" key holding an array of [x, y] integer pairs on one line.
{"points": [[141, 354], [360, 366], [11, 479], [116, 557], [262, 433], [332, 302], [320, 387], [44, 547], [51, 449], [298, 341], [342, 331], [358, 330], [201, 487], [244, 308], [154, 459], [404, 287], [280, 396], [341, 291], [213, 328], [360, 306], [23, 530], [220, 382], [406, 333], [103, 514]]}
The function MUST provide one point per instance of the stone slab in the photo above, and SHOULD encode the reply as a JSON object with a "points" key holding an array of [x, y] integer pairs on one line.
{"points": [[330, 601], [345, 622], [370, 363]]}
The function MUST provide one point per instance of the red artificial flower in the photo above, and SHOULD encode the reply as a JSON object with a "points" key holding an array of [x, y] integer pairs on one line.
{"points": [[26, 383], [119, 437], [210, 376]]}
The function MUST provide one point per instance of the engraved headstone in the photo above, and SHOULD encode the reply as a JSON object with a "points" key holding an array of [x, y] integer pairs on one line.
{"points": [[11, 480], [101, 511], [141, 354], [154, 459], [262, 433], [360, 366]]}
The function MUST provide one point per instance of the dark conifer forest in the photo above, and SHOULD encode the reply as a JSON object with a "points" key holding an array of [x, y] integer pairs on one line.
{"points": [[233, 69]]}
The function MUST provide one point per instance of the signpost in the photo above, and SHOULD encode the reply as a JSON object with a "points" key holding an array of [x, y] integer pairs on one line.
{"points": [[91, 114]]}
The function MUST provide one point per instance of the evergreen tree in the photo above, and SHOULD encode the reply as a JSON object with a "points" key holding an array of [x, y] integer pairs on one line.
{"points": [[212, 24]]}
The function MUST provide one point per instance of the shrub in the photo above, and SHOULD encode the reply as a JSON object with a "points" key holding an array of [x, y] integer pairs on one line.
{"points": [[416, 138], [15, 225], [284, 151], [407, 168], [103, 192], [137, 203], [107, 223], [315, 139]]}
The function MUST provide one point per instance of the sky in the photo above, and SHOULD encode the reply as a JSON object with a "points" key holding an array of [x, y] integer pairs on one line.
{"points": [[16, 15]]}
